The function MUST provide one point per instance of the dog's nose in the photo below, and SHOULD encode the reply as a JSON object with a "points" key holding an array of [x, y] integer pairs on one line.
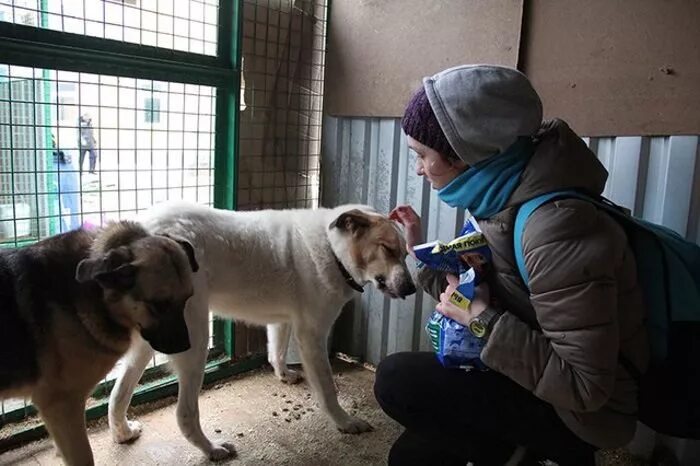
{"points": [[407, 289]]}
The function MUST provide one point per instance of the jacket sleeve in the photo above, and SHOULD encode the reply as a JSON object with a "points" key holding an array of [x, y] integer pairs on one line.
{"points": [[432, 281], [571, 252]]}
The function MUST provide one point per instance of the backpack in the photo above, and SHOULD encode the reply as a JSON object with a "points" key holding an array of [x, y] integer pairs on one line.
{"points": [[668, 268]]}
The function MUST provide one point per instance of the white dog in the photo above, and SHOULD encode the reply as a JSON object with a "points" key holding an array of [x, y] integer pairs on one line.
{"points": [[287, 269]]}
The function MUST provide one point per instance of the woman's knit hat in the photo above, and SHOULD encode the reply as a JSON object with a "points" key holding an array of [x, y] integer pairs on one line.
{"points": [[420, 123], [473, 112]]}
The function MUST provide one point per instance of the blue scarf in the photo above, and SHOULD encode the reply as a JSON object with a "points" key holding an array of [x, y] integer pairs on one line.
{"points": [[485, 188]]}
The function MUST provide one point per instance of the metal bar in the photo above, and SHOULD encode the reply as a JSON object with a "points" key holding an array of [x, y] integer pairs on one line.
{"points": [[81, 149], [12, 158], [184, 132], [224, 336], [167, 117], [226, 136], [100, 155], [35, 150], [42, 48], [54, 224]]}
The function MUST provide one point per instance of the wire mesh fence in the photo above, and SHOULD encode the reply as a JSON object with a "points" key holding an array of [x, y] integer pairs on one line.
{"points": [[79, 148], [187, 25], [283, 69]]}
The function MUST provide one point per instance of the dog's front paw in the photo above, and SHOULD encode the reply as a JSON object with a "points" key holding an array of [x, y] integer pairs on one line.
{"points": [[222, 451], [291, 377], [127, 432], [355, 425]]}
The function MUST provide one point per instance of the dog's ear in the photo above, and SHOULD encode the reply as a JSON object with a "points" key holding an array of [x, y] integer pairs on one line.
{"points": [[187, 248], [189, 251], [113, 270], [353, 221]]}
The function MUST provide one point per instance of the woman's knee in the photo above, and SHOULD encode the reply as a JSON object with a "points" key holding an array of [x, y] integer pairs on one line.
{"points": [[395, 374], [386, 376]]}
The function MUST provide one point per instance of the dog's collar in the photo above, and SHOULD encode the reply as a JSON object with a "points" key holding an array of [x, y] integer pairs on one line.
{"points": [[346, 275]]}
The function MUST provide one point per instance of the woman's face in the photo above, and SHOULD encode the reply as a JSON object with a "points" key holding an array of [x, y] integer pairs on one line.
{"points": [[437, 168]]}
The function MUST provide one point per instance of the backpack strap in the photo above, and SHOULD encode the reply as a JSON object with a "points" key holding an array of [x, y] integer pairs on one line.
{"points": [[521, 218]]}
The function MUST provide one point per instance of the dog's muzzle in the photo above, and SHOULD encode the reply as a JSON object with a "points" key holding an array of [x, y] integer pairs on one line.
{"points": [[407, 288], [168, 336]]}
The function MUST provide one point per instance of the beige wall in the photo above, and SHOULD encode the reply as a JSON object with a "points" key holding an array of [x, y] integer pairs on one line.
{"points": [[378, 50], [623, 67]]}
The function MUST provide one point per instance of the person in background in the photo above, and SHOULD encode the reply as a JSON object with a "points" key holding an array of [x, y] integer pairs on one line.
{"points": [[87, 142], [68, 189], [555, 389]]}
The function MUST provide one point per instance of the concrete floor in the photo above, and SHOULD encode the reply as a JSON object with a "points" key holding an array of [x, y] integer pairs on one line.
{"points": [[269, 422], [248, 410]]}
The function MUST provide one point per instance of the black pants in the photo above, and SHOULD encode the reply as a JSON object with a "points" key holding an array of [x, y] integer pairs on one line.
{"points": [[453, 416], [93, 158]]}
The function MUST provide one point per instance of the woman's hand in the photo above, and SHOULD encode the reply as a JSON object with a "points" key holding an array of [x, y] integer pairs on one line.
{"points": [[406, 216], [477, 306]]}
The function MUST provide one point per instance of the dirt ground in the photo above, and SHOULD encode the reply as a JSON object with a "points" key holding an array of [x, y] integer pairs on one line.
{"points": [[270, 423]]}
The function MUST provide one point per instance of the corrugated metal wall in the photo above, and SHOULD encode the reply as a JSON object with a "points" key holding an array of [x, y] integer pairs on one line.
{"points": [[367, 160]]}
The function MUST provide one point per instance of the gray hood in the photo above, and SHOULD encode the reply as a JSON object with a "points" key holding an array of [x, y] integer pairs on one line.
{"points": [[482, 109], [562, 160]]}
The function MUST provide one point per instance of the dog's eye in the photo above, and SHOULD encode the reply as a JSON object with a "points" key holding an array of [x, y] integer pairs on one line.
{"points": [[381, 281]]}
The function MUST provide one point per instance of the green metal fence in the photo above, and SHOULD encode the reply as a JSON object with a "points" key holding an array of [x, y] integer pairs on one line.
{"points": [[107, 107]]}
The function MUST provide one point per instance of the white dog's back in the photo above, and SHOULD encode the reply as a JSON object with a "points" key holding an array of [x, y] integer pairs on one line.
{"points": [[257, 256]]}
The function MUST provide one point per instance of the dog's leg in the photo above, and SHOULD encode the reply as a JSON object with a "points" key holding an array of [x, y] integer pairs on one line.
{"points": [[64, 417], [277, 345], [313, 349], [135, 363], [190, 372]]}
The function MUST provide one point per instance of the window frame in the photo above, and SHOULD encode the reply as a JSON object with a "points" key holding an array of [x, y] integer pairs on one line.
{"points": [[35, 47]]}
